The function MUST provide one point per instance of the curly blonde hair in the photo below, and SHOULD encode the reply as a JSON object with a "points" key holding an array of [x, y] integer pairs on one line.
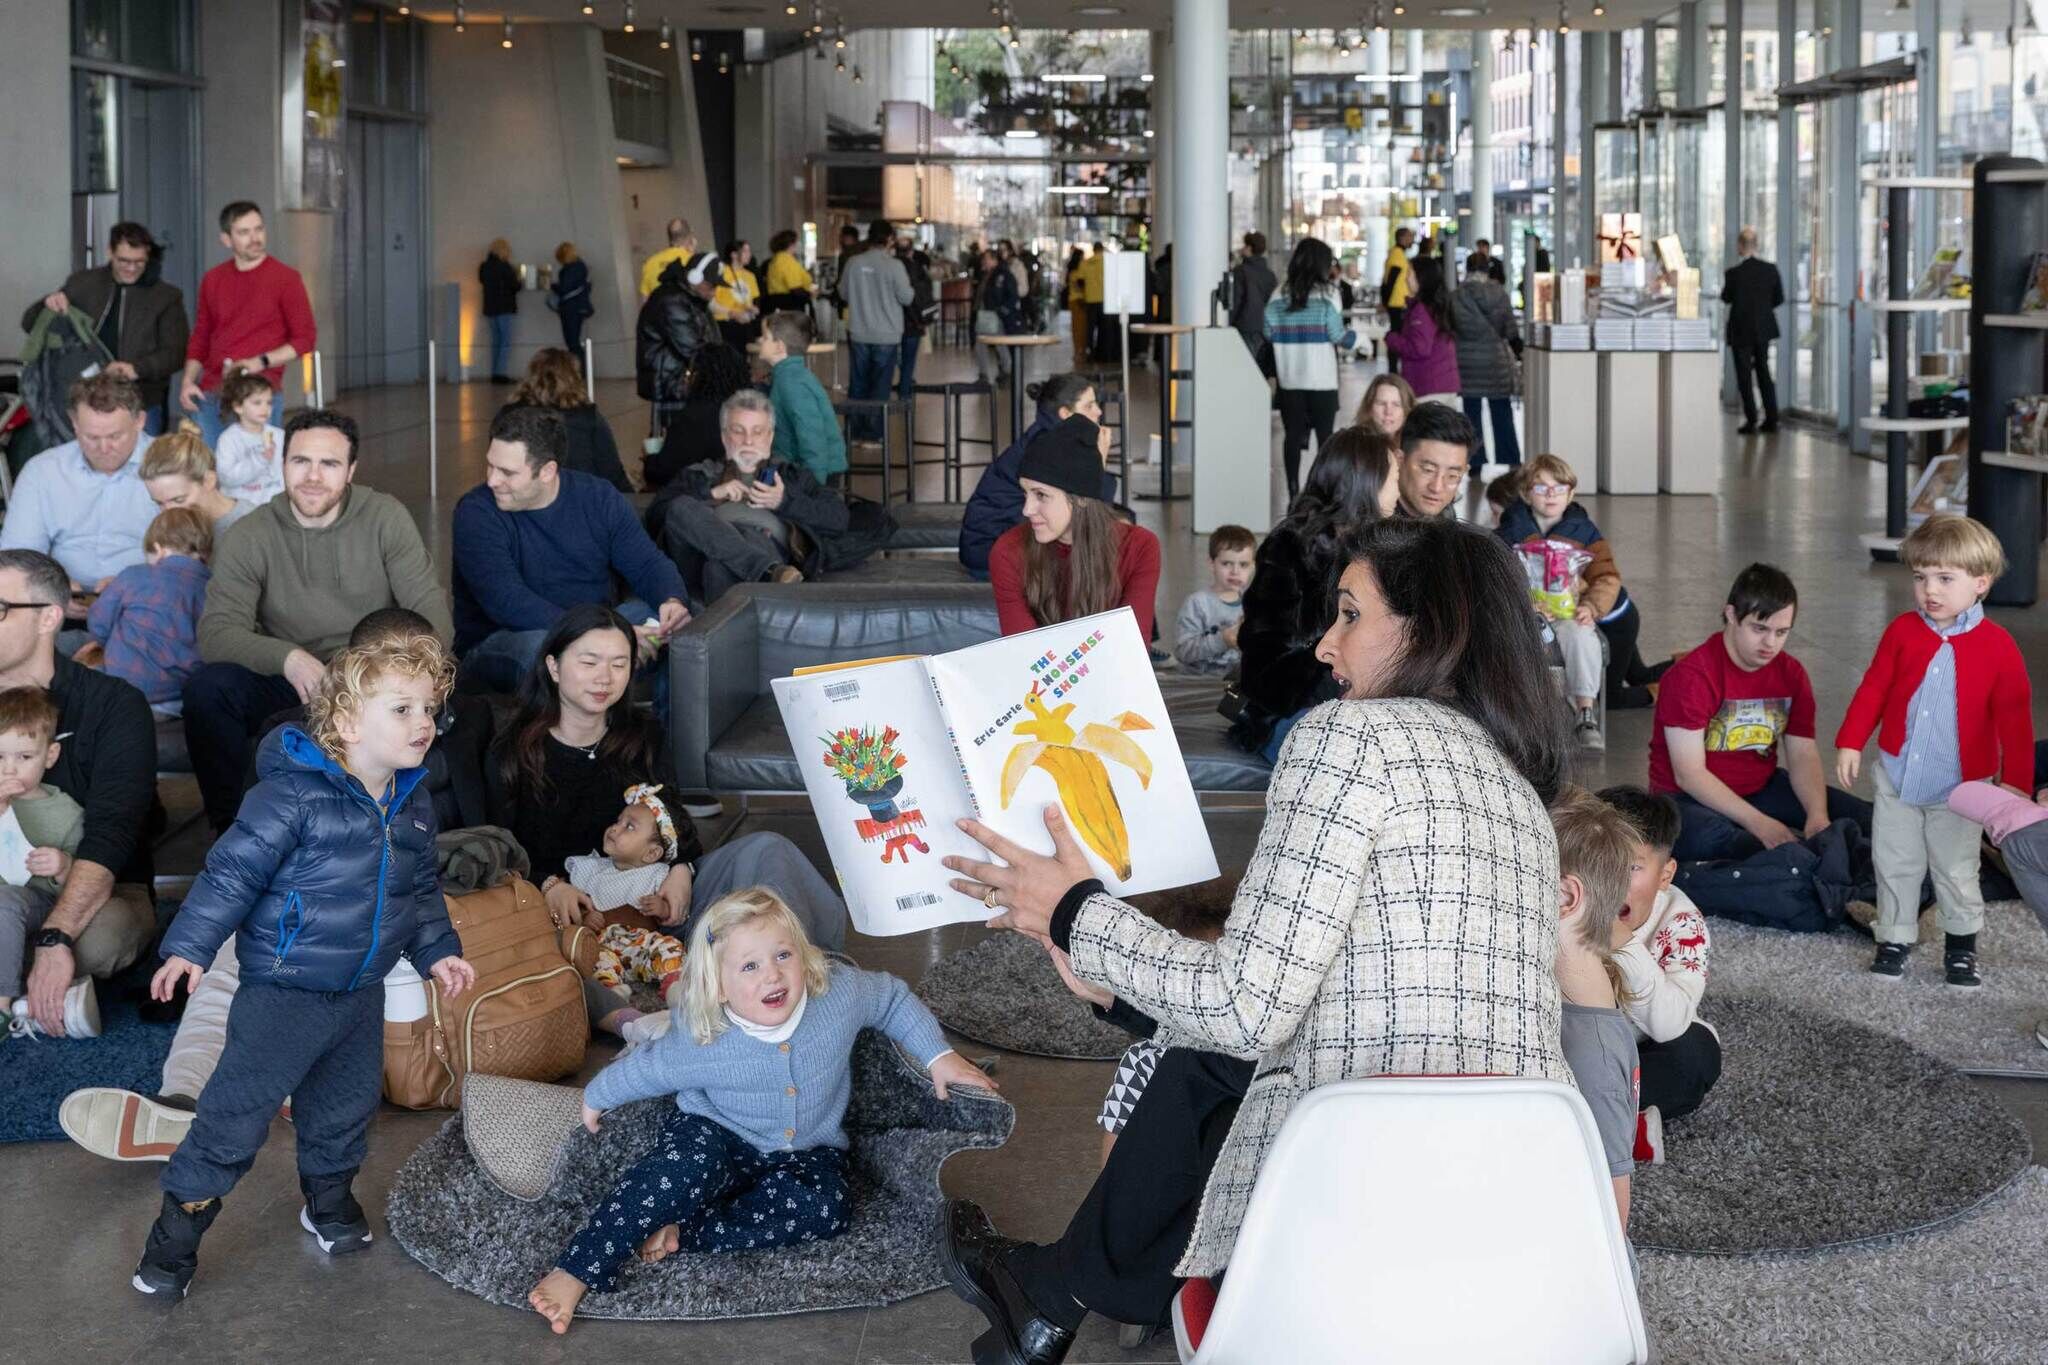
{"points": [[701, 1007], [356, 672]]}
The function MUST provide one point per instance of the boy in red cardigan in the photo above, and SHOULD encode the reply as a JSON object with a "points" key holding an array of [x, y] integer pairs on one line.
{"points": [[1951, 691]]}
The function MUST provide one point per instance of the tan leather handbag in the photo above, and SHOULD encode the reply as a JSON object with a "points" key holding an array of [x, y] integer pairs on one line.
{"points": [[524, 1017]]}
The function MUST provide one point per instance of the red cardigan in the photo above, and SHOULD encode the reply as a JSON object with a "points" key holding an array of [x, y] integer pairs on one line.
{"points": [[1994, 702], [1137, 576]]}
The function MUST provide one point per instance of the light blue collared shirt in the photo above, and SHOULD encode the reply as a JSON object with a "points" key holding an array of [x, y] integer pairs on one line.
{"points": [[1932, 763], [91, 523]]}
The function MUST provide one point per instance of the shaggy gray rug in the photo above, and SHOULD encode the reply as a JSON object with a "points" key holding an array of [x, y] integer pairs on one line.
{"points": [[1004, 991], [1821, 1133], [448, 1215], [1990, 1028], [1972, 1291]]}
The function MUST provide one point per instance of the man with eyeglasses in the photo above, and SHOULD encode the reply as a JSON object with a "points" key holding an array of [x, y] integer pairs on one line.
{"points": [[140, 321], [1436, 450], [536, 539], [104, 915]]}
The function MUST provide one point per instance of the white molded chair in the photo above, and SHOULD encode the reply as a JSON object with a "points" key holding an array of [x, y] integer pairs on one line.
{"points": [[1426, 1219]]}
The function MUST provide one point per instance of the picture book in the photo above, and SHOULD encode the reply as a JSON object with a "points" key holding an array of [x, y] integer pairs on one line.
{"points": [[896, 751], [2035, 300]]}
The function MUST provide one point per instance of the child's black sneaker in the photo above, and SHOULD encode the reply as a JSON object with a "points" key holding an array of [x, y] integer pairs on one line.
{"points": [[332, 1214], [1891, 959], [1959, 965], [171, 1255]]}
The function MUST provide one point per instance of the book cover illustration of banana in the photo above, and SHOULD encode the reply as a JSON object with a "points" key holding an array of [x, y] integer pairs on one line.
{"points": [[894, 752]]}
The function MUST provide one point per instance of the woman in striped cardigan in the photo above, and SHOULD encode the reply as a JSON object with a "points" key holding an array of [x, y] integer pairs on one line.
{"points": [[1398, 916], [1305, 326]]}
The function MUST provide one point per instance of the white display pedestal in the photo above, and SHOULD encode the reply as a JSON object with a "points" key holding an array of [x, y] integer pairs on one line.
{"points": [[1559, 414], [1628, 421], [1232, 435], [1689, 422]]}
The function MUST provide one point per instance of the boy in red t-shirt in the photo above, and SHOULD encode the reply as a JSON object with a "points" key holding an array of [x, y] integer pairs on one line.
{"points": [[1950, 691], [1723, 713]]}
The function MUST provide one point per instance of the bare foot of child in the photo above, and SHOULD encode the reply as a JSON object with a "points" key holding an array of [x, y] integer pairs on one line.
{"points": [[555, 1298], [664, 1243]]}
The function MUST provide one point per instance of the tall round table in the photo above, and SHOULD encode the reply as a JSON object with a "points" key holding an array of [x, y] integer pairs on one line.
{"points": [[1019, 352]]}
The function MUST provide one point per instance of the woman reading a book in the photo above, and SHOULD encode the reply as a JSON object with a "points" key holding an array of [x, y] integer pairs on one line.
{"points": [[557, 773], [1072, 556], [1398, 916]]}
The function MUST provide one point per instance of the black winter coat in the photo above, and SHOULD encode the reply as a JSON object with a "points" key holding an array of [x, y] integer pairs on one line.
{"points": [[572, 291], [674, 323], [843, 532], [321, 887], [1753, 291], [1287, 608], [500, 283]]}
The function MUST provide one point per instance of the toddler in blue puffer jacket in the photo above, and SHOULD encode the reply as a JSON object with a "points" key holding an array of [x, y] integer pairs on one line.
{"points": [[326, 876]]}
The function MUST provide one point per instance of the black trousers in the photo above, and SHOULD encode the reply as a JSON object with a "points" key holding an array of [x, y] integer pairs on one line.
{"points": [[225, 707], [1677, 1075], [1624, 664], [1119, 1250], [1394, 316], [1301, 409], [1755, 361]]}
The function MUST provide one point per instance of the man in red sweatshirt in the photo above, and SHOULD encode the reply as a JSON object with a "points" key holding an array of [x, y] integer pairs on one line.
{"points": [[253, 315]]}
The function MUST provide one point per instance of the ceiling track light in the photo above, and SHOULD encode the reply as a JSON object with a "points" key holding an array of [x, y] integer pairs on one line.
{"points": [[696, 49], [1563, 24], [1399, 9], [856, 75], [1598, 9], [506, 41], [404, 10], [839, 40], [789, 10], [839, 65], [461, 18], [724, 62], [589, 9], [668, 36], [627, 26]]}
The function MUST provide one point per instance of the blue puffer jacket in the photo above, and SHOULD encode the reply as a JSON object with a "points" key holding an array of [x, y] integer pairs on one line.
{"points": [[321, 888]]}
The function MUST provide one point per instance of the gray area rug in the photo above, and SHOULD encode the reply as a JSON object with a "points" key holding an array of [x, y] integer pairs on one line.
{"points": [[1004, 991], [1821, 1133], [1990, 1028], [1972, 1291], [453, 1220]]}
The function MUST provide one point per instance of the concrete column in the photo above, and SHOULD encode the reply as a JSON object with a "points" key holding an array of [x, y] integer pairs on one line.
{"points": [[1735, 207], [1785, 248], [1845, 209], [913, 74], [1596, 84], [753, 195], [1695, 74], [1201, 172], [1481, 221], [1379, 180], [35, 150], [1560, 128], [1163, 142]]}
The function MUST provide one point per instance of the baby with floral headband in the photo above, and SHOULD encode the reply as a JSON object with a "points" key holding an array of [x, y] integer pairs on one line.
{"points": [[626, 876]]}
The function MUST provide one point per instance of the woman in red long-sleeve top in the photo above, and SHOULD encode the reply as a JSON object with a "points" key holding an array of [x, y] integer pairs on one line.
{"points": [[1072, 556]]}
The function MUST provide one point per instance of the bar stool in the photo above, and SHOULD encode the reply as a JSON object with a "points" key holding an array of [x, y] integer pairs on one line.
{"points": [[1168, 424], [953, 434], [848, 408], [1019, 347], [818, 348]]}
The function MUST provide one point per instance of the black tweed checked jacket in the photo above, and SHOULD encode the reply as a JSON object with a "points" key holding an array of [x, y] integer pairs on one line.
{"points": [[1399, 917]]}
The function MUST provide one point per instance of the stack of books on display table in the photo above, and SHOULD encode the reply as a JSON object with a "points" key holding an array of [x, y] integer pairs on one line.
{"points": [[1562, 336], [1693, 334], [1614, 334]]}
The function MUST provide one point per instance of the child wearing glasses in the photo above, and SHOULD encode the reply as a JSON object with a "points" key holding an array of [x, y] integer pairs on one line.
{"points": [[1545, 511]]}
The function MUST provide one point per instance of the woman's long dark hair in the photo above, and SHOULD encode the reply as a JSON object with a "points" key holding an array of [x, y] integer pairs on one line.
{"points": [[521, 751], [1472, 642], [1344, 483], [1085, 581], [1432, 292], [1308, 270]]}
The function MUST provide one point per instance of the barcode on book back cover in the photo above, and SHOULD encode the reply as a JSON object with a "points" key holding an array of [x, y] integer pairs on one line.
{"points": [[916, 900], [841, 691]]}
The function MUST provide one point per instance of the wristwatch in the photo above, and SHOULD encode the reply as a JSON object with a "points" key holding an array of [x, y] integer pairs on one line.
{"points": [[54, 938]]}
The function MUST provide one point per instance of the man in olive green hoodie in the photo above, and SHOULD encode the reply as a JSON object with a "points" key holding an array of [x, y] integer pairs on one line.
{"points": [[290, 581]]}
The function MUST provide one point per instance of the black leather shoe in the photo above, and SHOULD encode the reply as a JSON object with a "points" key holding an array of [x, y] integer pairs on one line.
{"points": [[1018, 1334], [1770, 425], [1747, 429]]}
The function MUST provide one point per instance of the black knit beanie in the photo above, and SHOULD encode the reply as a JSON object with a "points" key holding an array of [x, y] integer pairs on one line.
{"points": [[1066, 458]]}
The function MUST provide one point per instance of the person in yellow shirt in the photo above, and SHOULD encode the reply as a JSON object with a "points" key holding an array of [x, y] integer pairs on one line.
{"points": [[1076, 298], [1091, 300], [737, 301], [785, 285], [682, 245], [1396, 286]]}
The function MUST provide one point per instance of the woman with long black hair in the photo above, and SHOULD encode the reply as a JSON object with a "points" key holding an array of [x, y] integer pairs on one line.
{"points": [[1370, 936], [1304, 326], [558, 772], [1427, 340]]}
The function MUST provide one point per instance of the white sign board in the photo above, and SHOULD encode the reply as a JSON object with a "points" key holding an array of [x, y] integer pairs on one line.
{"points": [[1123, 284]]}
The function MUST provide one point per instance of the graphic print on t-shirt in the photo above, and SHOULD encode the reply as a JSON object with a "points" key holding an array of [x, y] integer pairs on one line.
{"points": [[1748, 725]]}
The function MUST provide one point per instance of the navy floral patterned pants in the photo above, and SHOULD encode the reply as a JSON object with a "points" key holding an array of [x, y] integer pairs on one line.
{"points": [[722, 1193]]}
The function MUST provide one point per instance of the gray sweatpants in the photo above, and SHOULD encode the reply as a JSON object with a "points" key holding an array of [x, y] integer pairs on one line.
{"points": [[2026, 858], [772, 861], [22, 911]]}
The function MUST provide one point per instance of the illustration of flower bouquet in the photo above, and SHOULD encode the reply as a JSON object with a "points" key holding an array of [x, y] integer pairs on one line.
{"points": [[872, 766]]}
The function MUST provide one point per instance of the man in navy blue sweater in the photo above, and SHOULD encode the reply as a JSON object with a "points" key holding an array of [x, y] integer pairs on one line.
{"points": [[537, 539]]}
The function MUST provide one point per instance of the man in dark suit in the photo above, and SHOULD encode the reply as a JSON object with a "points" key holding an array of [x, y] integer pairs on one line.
{"points": [[1753, 293]]}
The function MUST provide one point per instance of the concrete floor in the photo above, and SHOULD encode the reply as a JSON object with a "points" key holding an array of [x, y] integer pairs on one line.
{"points": [[76, 1224]]}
